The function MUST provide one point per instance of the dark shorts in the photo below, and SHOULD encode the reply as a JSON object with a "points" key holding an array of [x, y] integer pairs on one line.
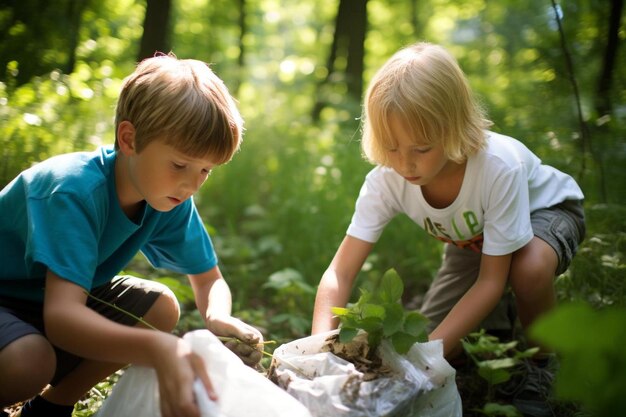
{"points": [[19, 318]]}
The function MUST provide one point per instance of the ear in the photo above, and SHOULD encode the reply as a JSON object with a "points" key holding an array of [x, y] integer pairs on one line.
{"points": [[126, 138]]}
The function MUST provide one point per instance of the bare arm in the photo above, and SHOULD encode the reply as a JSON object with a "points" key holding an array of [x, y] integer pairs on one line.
{"points": [[214, 301], [476, 304], [336, 283], [74, 327]]}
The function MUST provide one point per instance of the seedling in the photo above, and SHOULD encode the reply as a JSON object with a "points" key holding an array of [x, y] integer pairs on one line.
{"points": [[495, 362], [381, 315]]}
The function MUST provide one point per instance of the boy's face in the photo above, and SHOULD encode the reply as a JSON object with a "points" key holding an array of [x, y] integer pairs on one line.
{"points": [[163, 176], [419, 164]]}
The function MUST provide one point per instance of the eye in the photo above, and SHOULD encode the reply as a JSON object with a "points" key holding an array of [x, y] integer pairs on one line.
{"points": [[422, 150], [392, 150], [178, 166]]}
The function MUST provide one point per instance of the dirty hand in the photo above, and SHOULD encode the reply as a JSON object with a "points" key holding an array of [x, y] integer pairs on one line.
{"points": [[246, 342]]}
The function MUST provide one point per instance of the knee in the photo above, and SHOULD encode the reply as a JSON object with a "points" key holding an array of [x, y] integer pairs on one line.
{"points": [[532, 273], [532, 285], [165, 311], [27, 365]]}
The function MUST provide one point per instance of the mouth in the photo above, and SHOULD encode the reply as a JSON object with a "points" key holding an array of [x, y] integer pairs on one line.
{"points": [[412, 179], [174, 200]]}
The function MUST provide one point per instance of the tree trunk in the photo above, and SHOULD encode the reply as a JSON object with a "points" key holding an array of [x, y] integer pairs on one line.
{"points": [[603, 99], [241, 60], [348, 41], [155, 29], [75, 10], [356, 19]]}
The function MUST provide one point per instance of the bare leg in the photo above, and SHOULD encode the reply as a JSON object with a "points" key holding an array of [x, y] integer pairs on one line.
{"points": [[532, 280], [163, 315], [27, 365]]}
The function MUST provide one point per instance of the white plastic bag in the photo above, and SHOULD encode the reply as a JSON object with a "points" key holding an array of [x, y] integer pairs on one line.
{"points": [[422, 382], [242, 391]]}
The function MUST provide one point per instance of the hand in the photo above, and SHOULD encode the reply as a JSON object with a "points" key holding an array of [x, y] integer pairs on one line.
{"points": [[246, 342], [177, 368]]}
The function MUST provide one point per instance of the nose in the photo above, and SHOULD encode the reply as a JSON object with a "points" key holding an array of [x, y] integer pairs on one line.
{"points": [[194, 181], [406, 162]]}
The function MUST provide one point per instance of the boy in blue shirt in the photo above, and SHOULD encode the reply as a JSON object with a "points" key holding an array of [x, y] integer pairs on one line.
{"points": [[68, 225]]}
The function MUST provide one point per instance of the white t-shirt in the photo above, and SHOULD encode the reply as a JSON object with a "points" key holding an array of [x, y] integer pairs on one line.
{"points": [[503, 184]]}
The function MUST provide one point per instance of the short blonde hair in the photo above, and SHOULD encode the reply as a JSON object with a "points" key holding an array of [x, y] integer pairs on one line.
{"points": [[424, 86], [183, 102]]}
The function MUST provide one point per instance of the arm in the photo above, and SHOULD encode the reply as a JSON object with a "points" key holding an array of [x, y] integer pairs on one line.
{"points": [[336, 283], [476, 304], [213, 300], [72, 326]]}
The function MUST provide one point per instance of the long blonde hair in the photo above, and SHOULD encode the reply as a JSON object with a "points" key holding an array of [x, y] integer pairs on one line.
{"points": [[424, 86], [183, 102]]}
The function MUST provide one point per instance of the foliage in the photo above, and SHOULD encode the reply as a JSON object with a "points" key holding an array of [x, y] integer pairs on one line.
{"points": [[597, 272], [278, 211], [54, 114], [381, 315], [91, 403], [495, 362], [590, 344]]}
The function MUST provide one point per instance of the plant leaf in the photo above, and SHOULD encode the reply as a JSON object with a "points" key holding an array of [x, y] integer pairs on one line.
{"points": [[415, 324], [495, 409], [372, 310], [340, 311], [394, 314], [346, 334], [371, 324], [494, 375], [391, 287], [402, 342]]}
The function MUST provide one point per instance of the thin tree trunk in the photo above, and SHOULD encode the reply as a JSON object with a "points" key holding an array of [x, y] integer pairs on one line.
{"points": [[75, 11], [155, 28], [348, 40], [603, 99], [241, 60], [356, 48]]}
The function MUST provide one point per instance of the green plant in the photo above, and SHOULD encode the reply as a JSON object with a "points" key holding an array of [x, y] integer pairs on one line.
{"points": [[590, 344], [293, 293], [495, 362], [381, 315]]}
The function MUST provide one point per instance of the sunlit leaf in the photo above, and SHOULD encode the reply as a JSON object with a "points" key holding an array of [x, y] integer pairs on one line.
{"points": [[391, 287]]}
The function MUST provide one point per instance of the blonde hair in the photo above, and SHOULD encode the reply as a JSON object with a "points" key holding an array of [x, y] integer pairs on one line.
{"points": [[183, 102], [424, 86]]}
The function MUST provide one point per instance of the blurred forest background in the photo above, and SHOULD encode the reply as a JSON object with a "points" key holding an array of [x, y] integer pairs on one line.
{"points": [[551, 74]]}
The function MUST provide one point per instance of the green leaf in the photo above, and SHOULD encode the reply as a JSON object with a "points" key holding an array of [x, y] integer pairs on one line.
{"points": [[415, 324], [495, 409], [346, 334], [402, 342], [372, 310], [340, 311], [504, 363], [371, 324], [394, 314], [592, 366], [391, 287], [493, 376]]}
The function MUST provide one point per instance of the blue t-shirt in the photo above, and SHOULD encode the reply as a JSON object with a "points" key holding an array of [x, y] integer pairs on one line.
{"points": [[63, 214]]}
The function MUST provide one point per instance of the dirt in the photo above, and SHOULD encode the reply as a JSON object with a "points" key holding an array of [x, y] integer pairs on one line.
{"points": [[358, 352]]}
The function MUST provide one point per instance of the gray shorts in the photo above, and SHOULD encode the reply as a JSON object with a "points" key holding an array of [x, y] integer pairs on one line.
{"points": [[19, 318], [561, 226]]}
